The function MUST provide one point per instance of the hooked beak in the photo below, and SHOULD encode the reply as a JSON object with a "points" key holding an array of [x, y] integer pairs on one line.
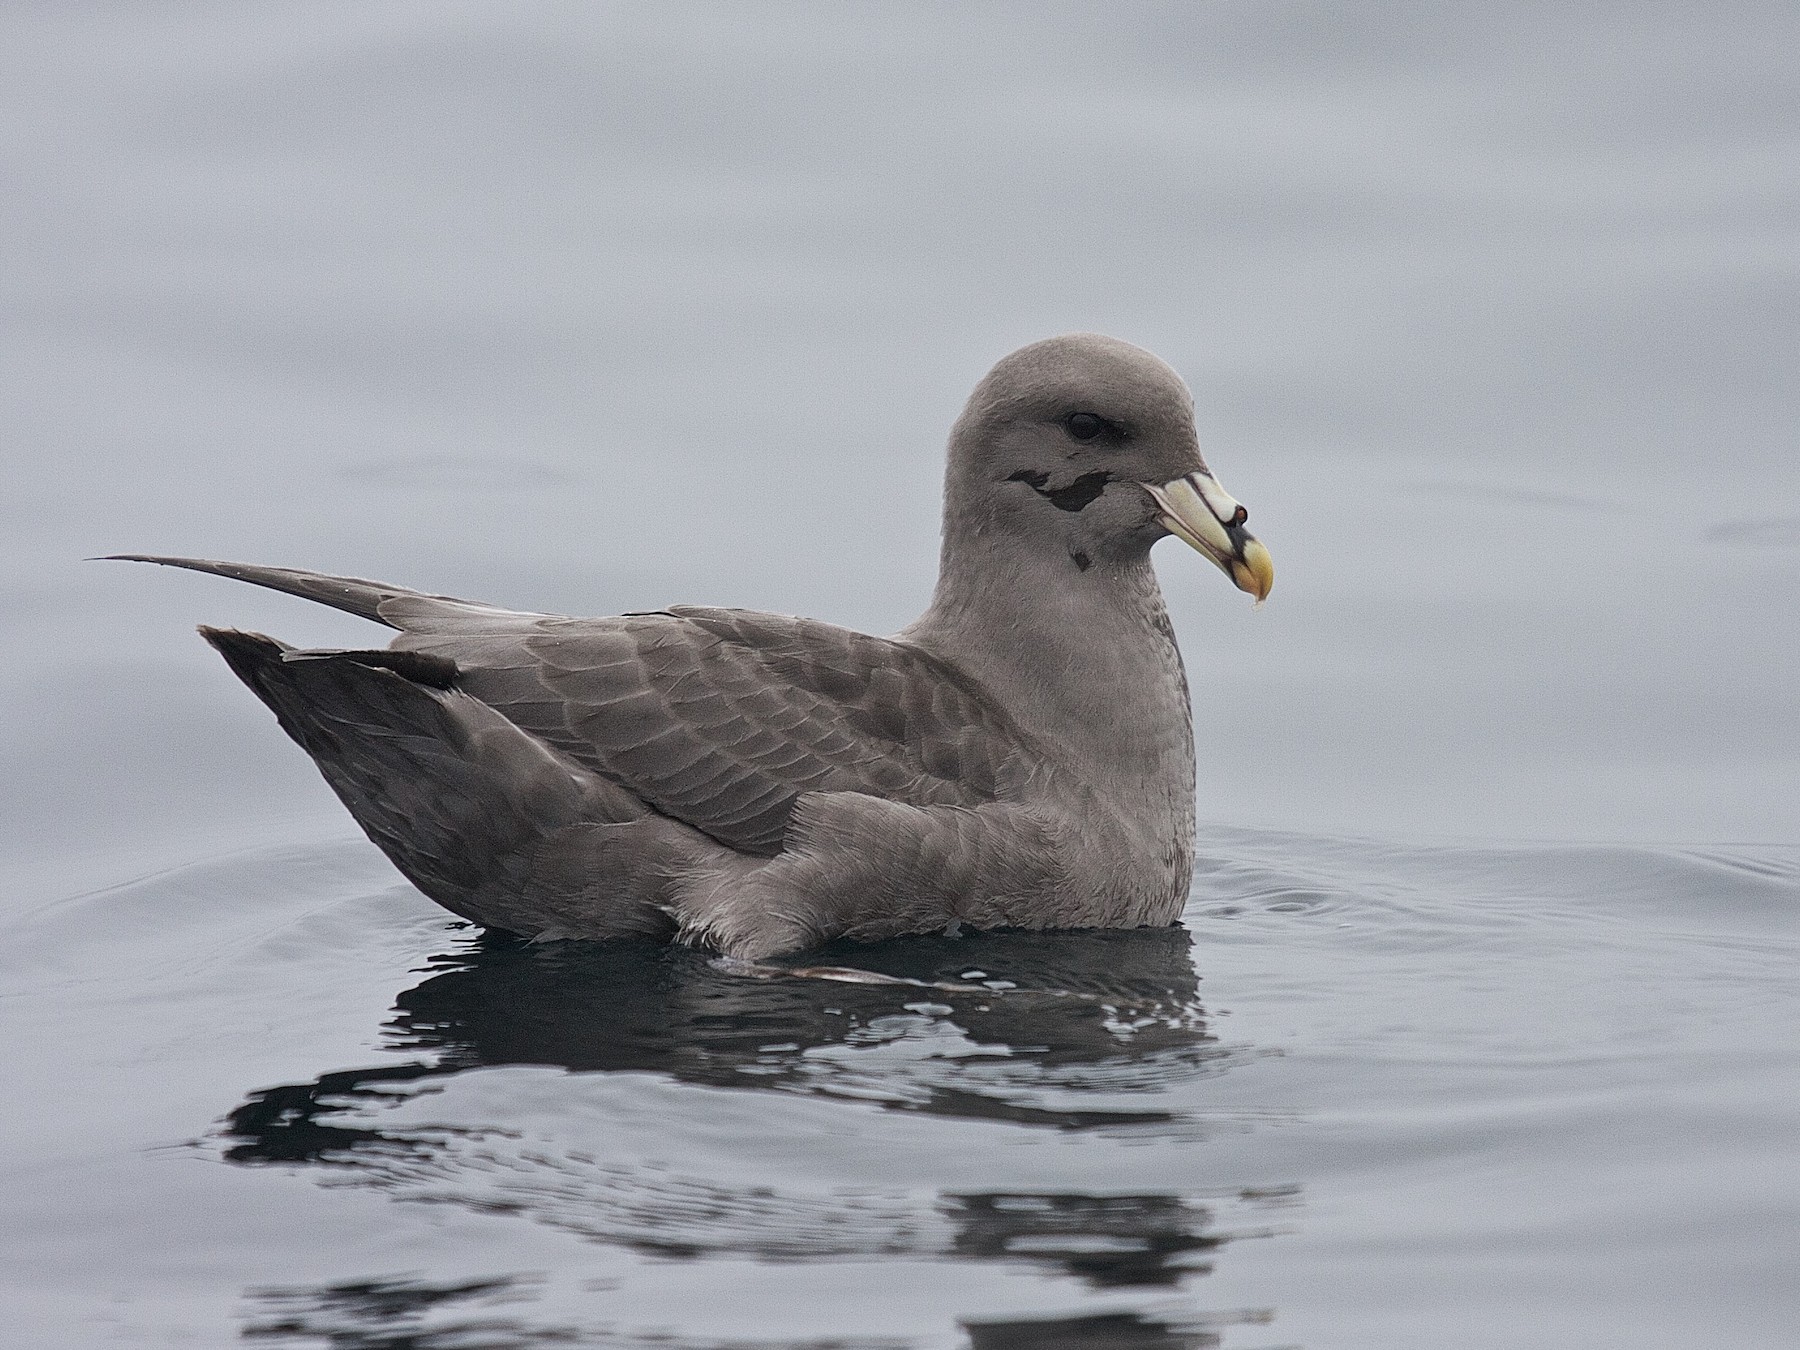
{"points": [[1196, 510]]}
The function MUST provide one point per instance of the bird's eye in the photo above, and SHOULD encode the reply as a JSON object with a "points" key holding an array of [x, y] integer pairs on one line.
{"points": [[1084, 426]]}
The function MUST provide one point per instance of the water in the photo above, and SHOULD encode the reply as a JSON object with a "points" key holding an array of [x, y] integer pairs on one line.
{"points": [[1506, 1096], [1484, 1035]]}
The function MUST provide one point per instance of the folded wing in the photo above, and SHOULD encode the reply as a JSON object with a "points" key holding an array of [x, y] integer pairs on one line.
{"points": [[724, 718]]}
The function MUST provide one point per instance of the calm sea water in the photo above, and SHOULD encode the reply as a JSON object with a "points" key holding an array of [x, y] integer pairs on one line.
{"points": [[1483, 1029], [1369, 1094]]}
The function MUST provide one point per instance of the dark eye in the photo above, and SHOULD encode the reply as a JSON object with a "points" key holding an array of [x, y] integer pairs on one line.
{"points": [[1084, 426]]}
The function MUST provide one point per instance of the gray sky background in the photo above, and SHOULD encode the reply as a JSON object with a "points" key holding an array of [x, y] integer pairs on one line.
{"points": [[1492, 314]]}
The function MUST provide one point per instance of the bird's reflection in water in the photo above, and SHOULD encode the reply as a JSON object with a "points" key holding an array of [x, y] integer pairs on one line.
{"points": [[391, 1314], [1097, 1018], [1103, 1331], [408, 1314], [1065, 1032]]}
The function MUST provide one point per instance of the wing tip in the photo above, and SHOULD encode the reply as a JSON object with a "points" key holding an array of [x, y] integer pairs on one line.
{"points": [[426, 668]]}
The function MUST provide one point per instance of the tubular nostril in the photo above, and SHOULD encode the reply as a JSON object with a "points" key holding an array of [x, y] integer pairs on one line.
{"points": [[1239, 516]]}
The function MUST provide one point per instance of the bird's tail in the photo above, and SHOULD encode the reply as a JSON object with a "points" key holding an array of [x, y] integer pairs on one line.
{"points": [[354, 595], [485, 819]]}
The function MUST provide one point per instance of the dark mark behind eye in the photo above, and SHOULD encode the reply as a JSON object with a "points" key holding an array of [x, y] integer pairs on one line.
{"points": [[1074, 496], [1079, 493], [1081, 560]]}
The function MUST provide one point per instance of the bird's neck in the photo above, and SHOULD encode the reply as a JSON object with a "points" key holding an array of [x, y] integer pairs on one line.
{"points": [[1083, 659]]}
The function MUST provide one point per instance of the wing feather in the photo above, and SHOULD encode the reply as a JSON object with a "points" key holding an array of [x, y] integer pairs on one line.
{"points": [[724, 718]]}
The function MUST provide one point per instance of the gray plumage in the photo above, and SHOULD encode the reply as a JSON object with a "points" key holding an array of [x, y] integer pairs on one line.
{"points": [[1020, 756]]}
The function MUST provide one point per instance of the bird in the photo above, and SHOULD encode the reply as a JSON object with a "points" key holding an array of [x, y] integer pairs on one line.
{"points": [[1021, 756]]}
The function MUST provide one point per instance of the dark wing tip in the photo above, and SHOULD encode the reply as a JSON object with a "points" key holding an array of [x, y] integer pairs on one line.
{"points": [[248, 654], [426, 668], [239, 639]]}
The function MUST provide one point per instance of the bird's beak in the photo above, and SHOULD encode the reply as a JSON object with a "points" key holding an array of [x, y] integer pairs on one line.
{"points": [[1203, 515]]}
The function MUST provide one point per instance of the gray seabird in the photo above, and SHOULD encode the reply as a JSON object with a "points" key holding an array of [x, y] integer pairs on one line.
{"points": [[1022, 756]]}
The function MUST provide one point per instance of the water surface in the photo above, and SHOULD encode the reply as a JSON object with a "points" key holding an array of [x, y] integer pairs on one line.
{"points": [[1366, 1093]]}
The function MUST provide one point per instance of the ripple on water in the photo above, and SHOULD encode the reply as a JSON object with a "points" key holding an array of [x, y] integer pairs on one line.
{"points": [[1765, 532], [633, 1152], [1072, 1145]]}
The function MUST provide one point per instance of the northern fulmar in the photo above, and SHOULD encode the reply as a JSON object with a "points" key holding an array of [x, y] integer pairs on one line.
{"points": [[1021, 756]]}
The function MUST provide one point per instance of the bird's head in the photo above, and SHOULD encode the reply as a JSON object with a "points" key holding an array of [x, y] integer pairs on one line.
{"points": [[1086, 445]]}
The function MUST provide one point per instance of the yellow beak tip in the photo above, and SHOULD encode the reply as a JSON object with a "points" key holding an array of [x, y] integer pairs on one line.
{"points": [[1256, 573]]}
